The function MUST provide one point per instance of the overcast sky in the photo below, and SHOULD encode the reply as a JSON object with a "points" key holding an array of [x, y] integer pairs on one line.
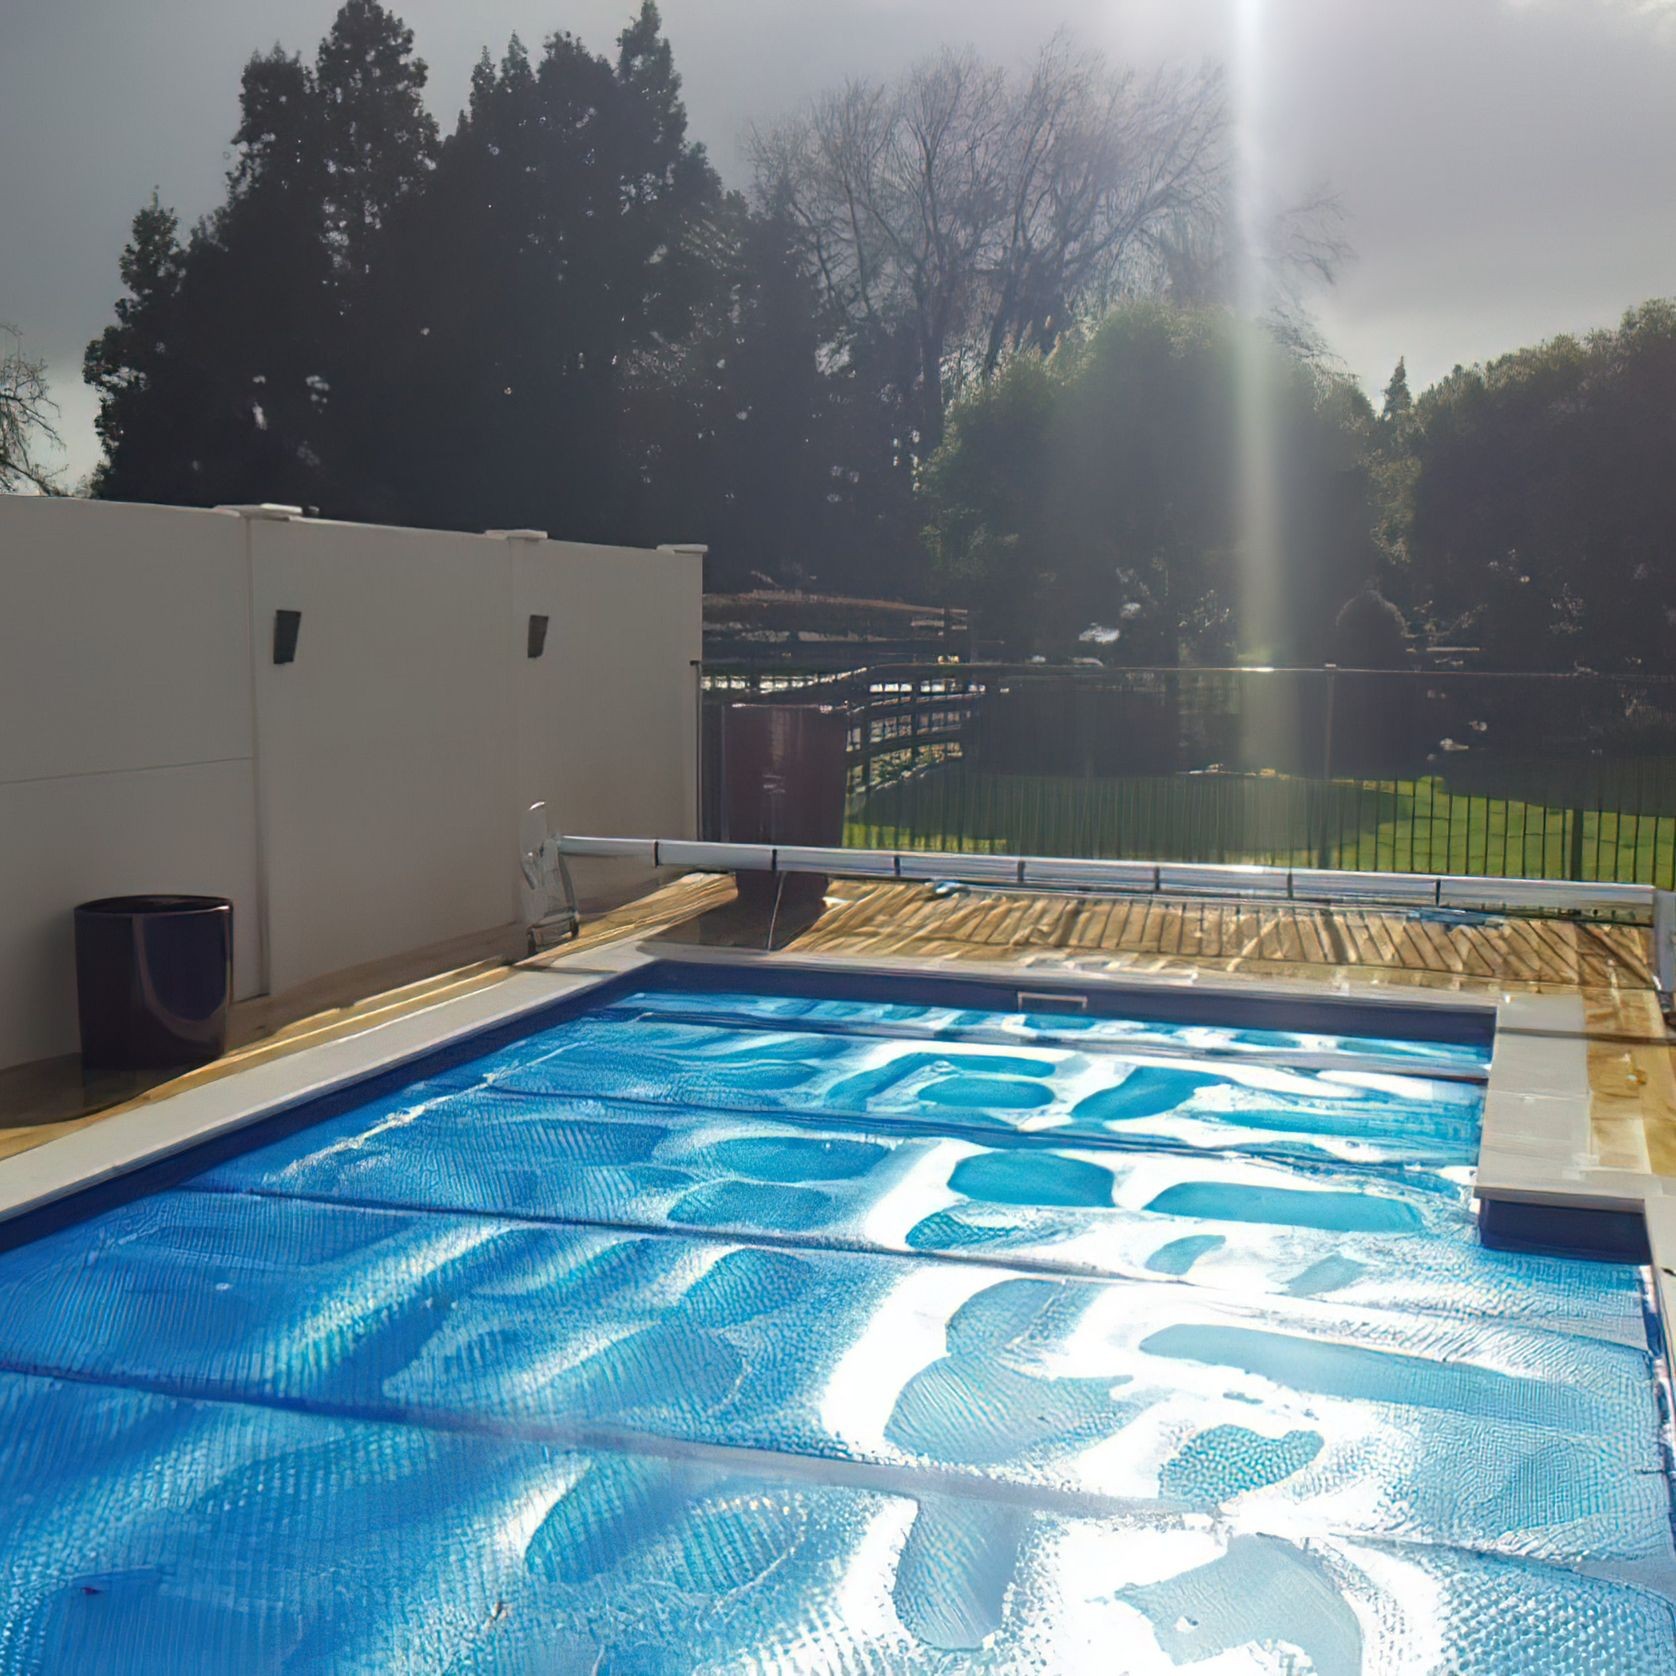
{"points": [[1508, 166]]}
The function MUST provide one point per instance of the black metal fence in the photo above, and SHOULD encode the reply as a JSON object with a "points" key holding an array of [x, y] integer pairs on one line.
{"points": [[1518, 776]]}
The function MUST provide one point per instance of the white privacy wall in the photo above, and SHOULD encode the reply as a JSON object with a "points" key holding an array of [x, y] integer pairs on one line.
{"points": [[358, 802], [125, 735], [385, 749], [627, 760]]}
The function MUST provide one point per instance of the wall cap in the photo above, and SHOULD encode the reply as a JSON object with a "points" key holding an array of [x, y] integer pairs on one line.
{"points": [[264, 509]]}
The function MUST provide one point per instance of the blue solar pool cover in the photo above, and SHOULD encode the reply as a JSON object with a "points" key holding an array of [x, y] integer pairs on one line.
{"points": [[713, 1331]]}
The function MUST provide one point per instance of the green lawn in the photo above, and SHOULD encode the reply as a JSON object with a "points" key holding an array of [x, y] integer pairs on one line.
{"points": [[1401, 826]]}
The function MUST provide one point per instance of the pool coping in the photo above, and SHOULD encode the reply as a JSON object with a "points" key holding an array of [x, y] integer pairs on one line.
{"points": [[1534, 1155]]}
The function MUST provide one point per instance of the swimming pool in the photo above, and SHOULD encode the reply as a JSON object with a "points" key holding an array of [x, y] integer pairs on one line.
{"points": [[715, 1325]]}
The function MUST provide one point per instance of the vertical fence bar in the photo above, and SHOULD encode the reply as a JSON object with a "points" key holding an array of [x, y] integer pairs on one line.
{"points": [[867, 744], [1598, 870], [1635, 835], [1323, 854]]}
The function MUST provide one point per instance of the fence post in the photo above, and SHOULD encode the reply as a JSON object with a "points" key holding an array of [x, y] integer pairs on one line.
{"points": [[1323, 850], [698, 724], [1574, 857]]}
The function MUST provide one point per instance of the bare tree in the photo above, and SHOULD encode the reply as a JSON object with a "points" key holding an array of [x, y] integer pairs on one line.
{"points": [[1263, 262], [1103, 164], [26, 418], [981, 213]]}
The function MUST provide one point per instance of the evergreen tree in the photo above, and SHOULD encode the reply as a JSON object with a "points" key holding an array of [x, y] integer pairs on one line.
{"points": [[1399, 404], [379, 141], [257, 297], [558, 248], [379, 146], [748, 437], [1392, 465], [237, 368], [212, 378], [552, 318], [137, 367]]}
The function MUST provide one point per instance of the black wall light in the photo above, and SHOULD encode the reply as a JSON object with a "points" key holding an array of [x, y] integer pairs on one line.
{"points": [[286, 627], [538, 636]]}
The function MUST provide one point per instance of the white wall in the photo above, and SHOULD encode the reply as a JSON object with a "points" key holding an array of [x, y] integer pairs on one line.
{"points": [[607, 722], [125, 735], [385, 750], [358, 802]]}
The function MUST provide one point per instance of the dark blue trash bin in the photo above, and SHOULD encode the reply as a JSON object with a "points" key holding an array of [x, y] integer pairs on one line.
{"points": [[154, 980]]}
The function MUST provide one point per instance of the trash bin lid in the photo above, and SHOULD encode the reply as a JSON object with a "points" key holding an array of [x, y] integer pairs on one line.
{"points": [[154, 904]]}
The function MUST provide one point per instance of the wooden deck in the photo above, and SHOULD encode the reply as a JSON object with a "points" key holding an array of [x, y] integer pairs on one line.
{"points": [[1632, 1072], [1159, 934]]}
